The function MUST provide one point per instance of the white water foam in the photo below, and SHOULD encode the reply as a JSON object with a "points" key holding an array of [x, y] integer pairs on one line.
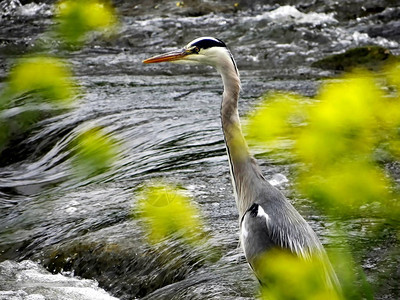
{"points": [[290, 14], [28, 280], [15, 8]]}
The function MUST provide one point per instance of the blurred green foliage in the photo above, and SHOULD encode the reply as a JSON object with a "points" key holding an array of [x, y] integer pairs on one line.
{"points": [[393, 75], [95, 152], [40, 86], [338, 146], [277, 122], [353, 281], [341, 142], [47, 77], [168, 213], [288, 277], [37, 87], [76, 18]]}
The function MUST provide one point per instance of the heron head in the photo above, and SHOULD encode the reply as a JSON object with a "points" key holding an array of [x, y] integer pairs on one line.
{"points": [[204, 50]]}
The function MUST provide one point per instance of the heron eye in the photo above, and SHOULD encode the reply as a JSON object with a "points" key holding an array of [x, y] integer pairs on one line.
{"points": [[195, 49]]}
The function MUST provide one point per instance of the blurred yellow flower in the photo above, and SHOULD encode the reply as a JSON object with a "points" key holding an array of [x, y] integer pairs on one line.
{"points": [[289, 277], [167, 212], [277, 120], [46, 76], [336, 138], [78, 17], [94, 152]]}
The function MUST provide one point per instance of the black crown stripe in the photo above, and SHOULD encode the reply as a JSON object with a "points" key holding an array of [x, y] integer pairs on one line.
{"points": [[208, 43]]}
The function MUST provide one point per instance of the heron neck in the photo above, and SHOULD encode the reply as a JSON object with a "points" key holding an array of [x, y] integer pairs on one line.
{"points": [[240, 160], [230, 117]]}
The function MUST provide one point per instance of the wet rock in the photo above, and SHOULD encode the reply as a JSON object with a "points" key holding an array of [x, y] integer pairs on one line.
{"points": [[129, 268], [370, 57], [346, 9], [168, 8], [385, 24], [389, 31]]}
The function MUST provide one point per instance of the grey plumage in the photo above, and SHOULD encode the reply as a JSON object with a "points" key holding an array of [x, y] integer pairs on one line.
{"points": [[267, 219]]}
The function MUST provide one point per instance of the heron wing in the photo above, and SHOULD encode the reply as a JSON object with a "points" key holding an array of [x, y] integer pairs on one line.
{"points": [[272, 222]]}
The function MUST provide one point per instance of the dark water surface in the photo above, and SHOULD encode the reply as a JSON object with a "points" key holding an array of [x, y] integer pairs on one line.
{"points": [[167, 117]]}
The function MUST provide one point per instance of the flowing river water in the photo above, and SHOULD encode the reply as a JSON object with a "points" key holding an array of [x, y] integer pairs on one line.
{"points": [[61, 238]]}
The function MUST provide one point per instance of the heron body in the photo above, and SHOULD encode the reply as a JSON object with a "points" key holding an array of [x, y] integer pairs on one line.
{"points": [[267, 219]]}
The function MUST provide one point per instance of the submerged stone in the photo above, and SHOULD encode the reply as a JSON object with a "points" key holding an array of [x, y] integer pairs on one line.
{"points": [[370, 57]]}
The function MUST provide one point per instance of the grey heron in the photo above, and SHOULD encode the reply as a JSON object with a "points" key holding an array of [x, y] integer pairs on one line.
{"points": [[267, 219]]}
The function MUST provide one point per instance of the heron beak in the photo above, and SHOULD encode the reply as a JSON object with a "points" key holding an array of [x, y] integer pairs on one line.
{"points": [[170, 56]]}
